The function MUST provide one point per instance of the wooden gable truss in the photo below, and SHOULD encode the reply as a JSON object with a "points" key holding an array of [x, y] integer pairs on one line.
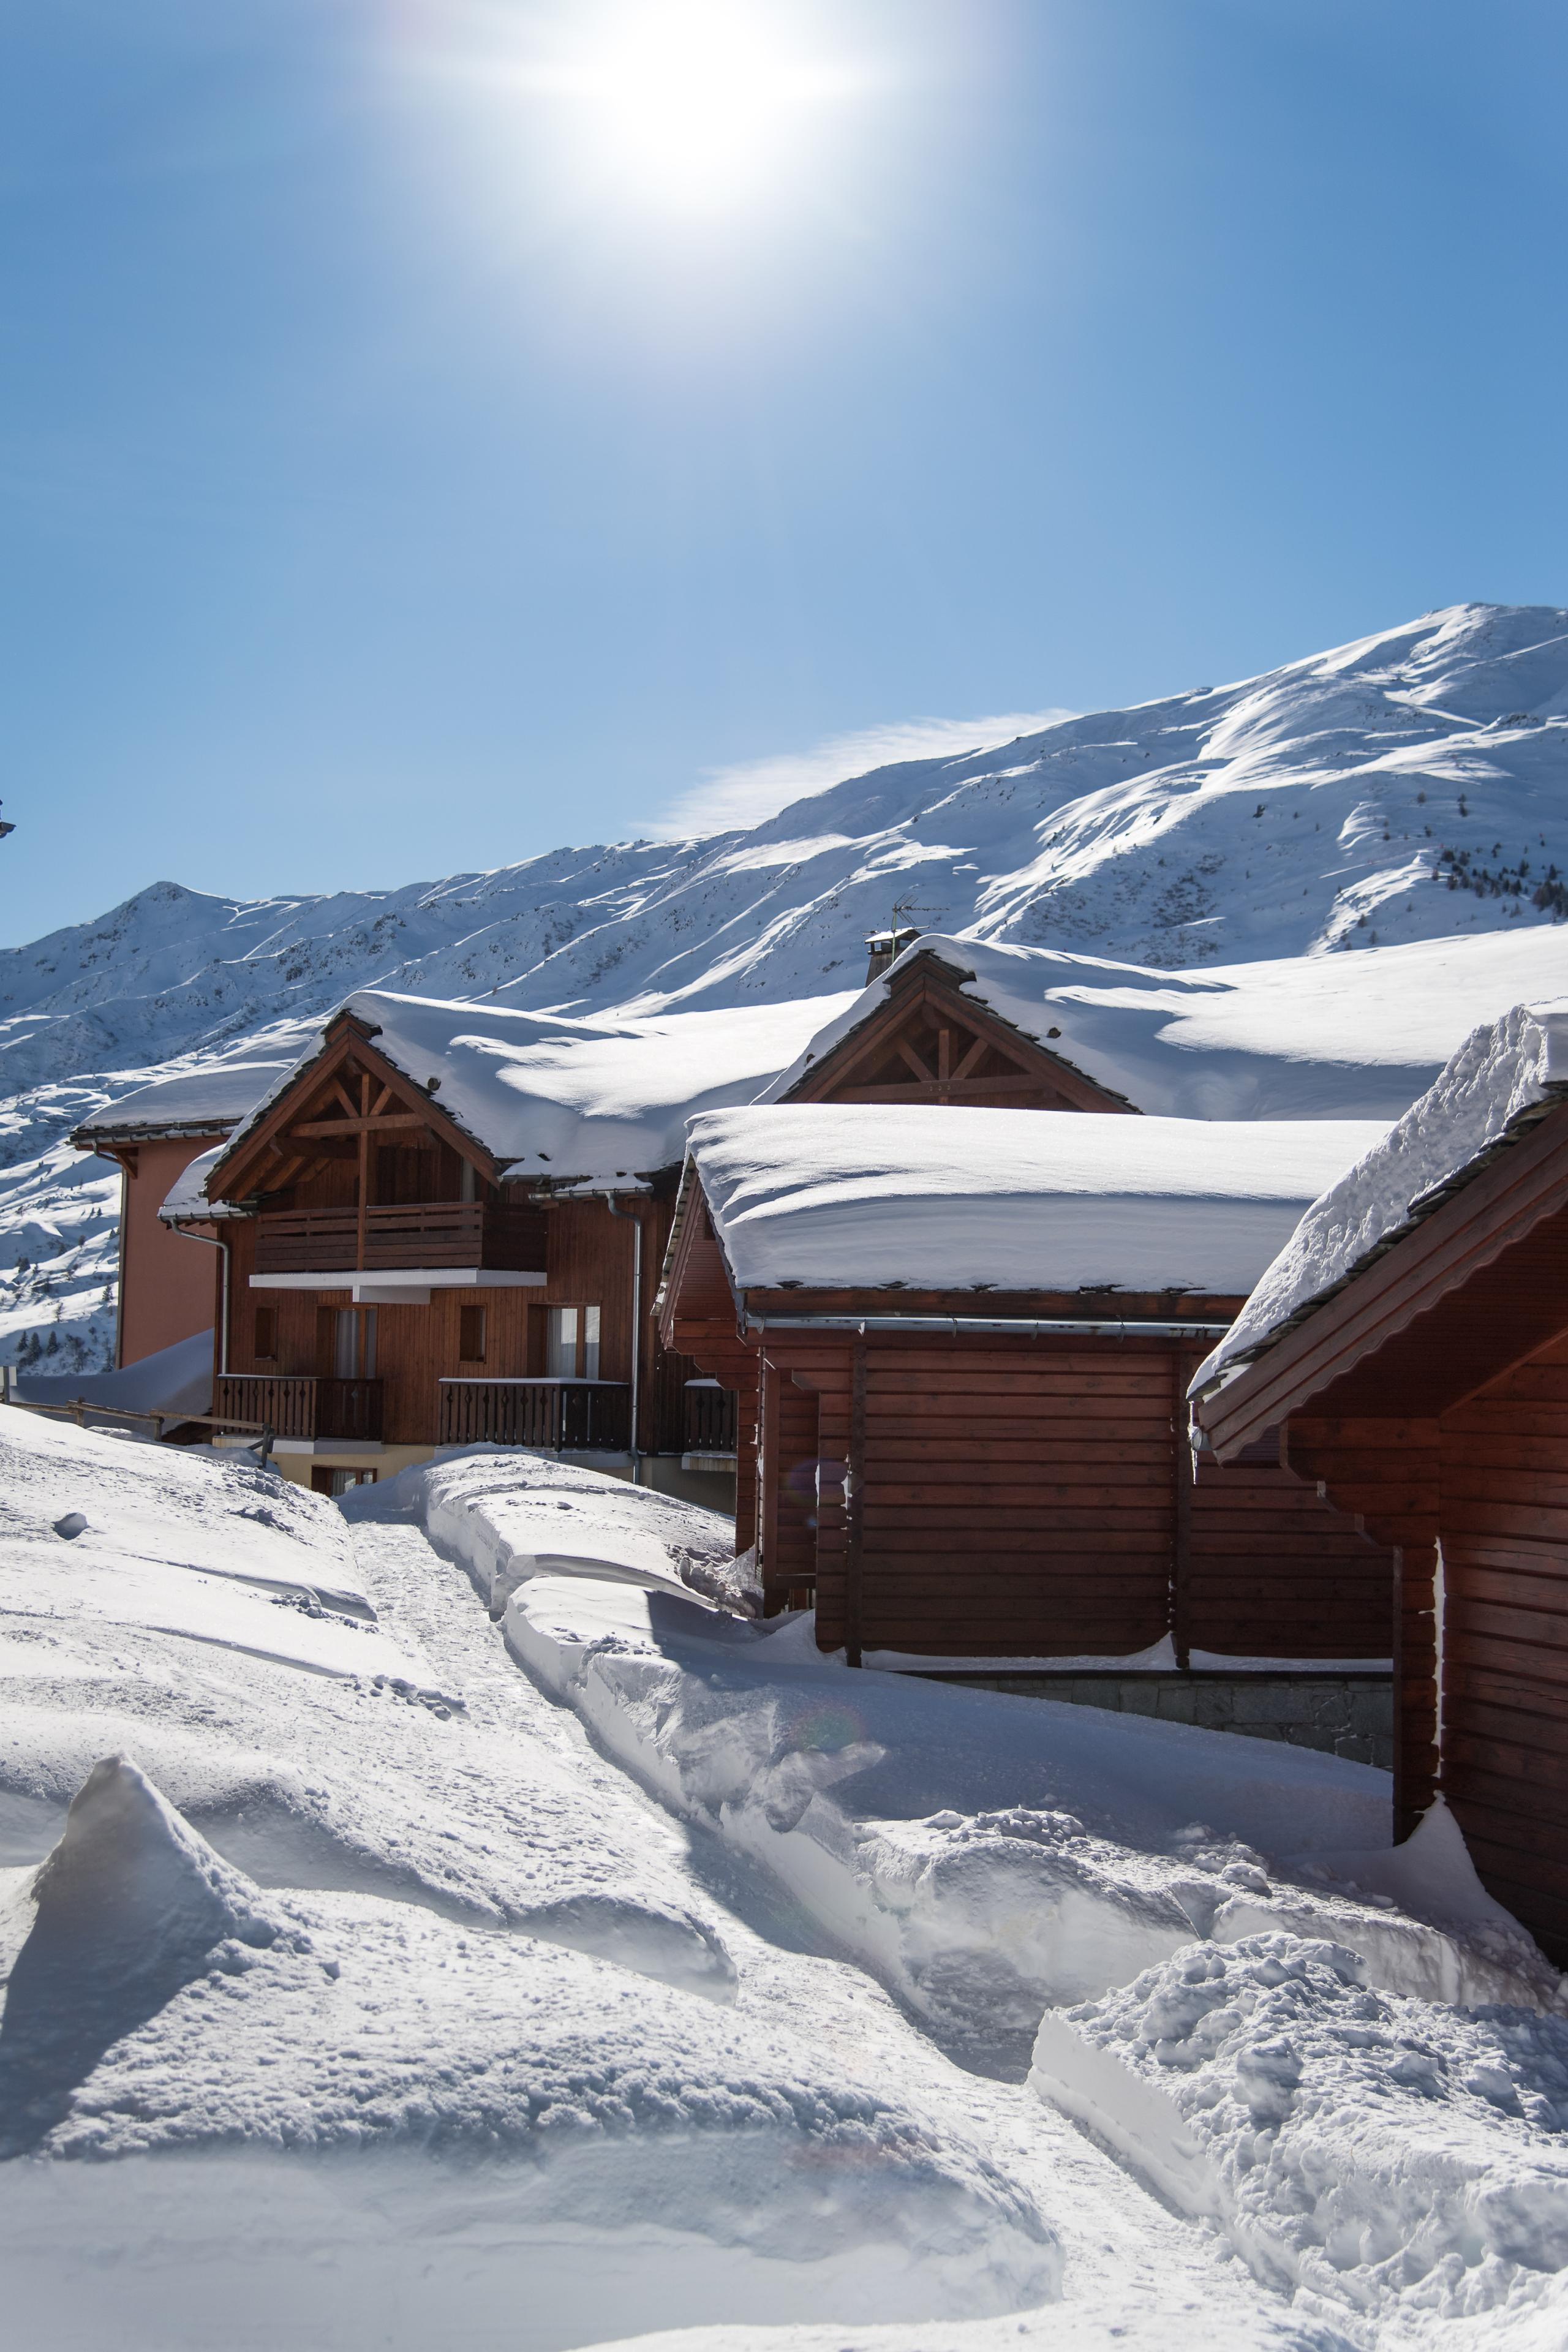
{"points": [[930, 1042], [346, 1099]]}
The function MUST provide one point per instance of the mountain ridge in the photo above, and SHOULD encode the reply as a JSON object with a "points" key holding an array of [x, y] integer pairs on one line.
{"points": [[1406, 785]]}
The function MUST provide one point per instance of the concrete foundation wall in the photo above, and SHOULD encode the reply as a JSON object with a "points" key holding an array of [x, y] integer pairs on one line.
{"points": [[1339, 1715]]}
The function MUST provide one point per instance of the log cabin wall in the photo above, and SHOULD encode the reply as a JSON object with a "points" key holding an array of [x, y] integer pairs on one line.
{"points": [[1025, 1499], [1503, 1513]]}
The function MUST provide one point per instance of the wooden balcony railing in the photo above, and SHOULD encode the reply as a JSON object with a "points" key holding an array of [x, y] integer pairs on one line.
{"points": [[711, 1417], [426, 1233], [291, 1406], [560, 1416]]}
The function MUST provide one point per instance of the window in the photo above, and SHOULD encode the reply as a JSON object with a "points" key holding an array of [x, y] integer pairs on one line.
{"points": [[265, 1335], [353, 1343], [324, 1481], [472, 1334], [571, 1343]]}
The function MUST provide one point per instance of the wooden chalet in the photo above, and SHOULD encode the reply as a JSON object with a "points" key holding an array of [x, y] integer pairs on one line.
{"points": [[168, 1290], [1410, 1356], [421, 1246], [964, 1338]]}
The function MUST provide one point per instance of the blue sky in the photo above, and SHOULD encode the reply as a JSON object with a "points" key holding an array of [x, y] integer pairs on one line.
{"points": [[411, 458]]}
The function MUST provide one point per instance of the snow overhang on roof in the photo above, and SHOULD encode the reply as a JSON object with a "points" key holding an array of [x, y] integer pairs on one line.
{"points": [[1502, 1079], [556, 1102], [187, 1201], [839, 1196], [203, 1102]]}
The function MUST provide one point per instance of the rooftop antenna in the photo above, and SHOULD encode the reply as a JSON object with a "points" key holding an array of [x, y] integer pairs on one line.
{"points": [[885, 947]]}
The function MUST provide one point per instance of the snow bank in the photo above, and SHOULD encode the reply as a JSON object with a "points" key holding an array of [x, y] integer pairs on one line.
{"points": [[509, 1515], [832, 1194], [985, 1856], [1498, 1080], [177, 1378], [1384, 2156]]}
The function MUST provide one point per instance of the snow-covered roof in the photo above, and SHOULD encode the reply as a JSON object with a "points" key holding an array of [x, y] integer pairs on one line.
{"points": [[1327, 1037], [559, 1099], [188, 1196], [196, 1103], [850, 1195], [1499, 1078]]}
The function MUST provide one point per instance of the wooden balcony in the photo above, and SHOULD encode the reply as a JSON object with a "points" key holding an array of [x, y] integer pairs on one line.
{"points": [[291, 1406], [426, 1235], [557, 1416], [712, 1415]]}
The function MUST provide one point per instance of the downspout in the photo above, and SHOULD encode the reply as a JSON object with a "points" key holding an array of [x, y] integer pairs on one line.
{"points": [[636, 1222], [209, 1241]]}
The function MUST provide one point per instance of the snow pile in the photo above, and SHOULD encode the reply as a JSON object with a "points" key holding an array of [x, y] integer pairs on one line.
{"points": [[1501, 1074], [845, 1195], [130, 1906], [988, 1856], [509, 1515], [1385, 2156]]}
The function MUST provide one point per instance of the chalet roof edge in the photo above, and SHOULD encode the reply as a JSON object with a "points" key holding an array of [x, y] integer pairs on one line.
{"points": [[1506, 1078]]}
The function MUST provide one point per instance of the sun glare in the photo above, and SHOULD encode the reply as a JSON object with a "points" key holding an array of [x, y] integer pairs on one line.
{"points": [[695, 99]]}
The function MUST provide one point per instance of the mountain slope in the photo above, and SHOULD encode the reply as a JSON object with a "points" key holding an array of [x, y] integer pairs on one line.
{"points": [[1412, 785]]}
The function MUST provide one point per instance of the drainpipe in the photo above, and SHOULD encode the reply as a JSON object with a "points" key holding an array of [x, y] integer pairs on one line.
{"points": [[209, 1243], [636, 1222]]}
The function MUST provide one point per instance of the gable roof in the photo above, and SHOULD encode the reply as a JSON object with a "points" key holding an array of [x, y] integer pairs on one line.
{"points": [[1500, 1083], [552, 1099], [1346, 1035], [898, 1047], [837, 1195]]}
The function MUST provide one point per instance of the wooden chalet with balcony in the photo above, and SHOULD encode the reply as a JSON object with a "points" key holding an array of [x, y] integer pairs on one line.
{"points": [[1410, 1358], [421, 1246], [964, 1338]]}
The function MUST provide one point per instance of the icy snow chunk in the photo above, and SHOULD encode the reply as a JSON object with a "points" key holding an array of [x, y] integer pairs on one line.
{"points": [[74, 1524], [1380, 2152]]}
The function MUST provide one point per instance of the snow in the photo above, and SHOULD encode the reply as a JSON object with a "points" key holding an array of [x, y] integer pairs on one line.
{"points": [[188, 1196], [459, 2038], [563, 1100], [200, 1099], [849, 1194], [1502, 1075], [336, 2017], [178, 1378], [1389, 2158], [1316, 1036]]}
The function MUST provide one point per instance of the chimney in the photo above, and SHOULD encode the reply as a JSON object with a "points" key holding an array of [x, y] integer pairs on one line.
{"points": [[884, 948]]}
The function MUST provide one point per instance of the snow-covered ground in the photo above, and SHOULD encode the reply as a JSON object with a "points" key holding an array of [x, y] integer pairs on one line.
{"points": [[376, 1997]]}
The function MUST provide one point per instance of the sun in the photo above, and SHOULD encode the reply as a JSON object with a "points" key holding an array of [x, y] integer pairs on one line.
{"points": [[695, 101]]}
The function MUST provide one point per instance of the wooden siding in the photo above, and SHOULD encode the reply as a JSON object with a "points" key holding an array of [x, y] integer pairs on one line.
{"points": [[1504, 1518]]}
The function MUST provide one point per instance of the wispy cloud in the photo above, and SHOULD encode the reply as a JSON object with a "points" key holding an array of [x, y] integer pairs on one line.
{"points": [[753, 789]]}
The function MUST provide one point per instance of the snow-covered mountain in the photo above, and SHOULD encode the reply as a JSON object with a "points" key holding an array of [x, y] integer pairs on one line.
{"points": [[1409, 786]]}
